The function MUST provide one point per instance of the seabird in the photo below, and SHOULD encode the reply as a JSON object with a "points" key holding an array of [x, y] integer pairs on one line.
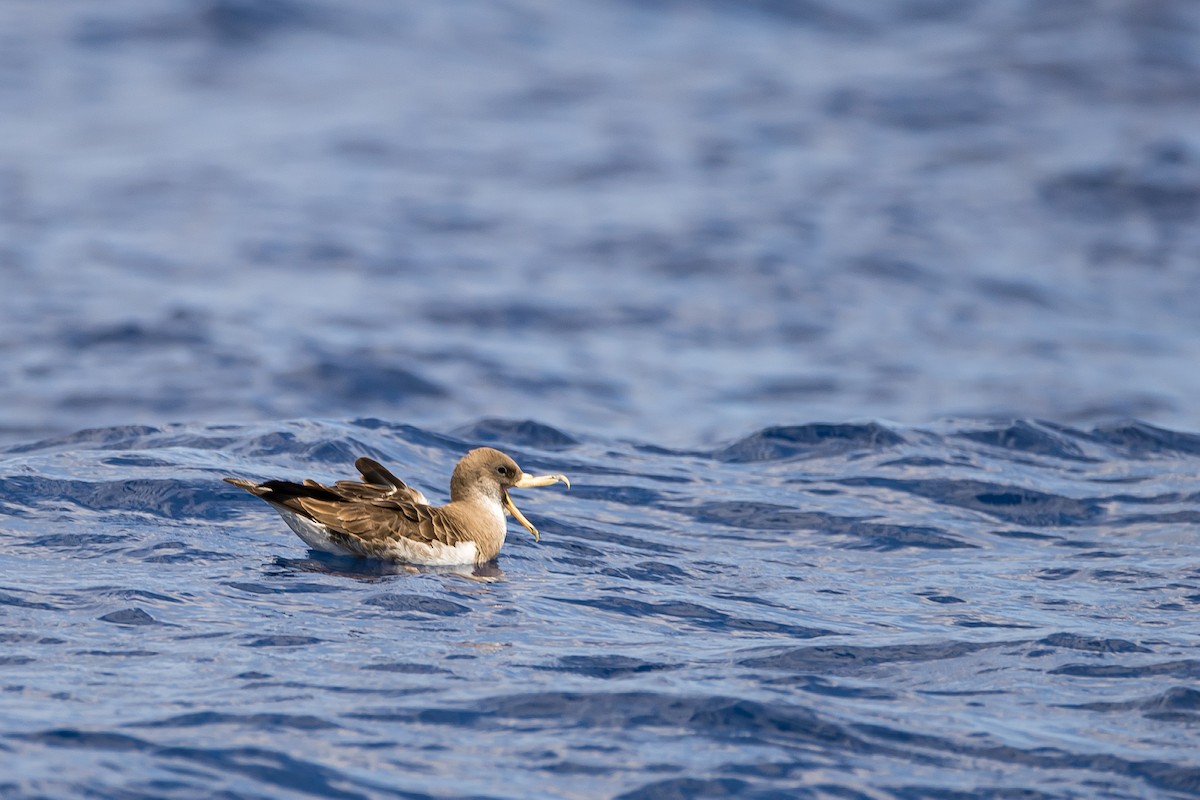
{"points": [[383, 517]]}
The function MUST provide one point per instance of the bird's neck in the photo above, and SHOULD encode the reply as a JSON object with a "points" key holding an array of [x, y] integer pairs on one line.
{"points": [[483, 521]]}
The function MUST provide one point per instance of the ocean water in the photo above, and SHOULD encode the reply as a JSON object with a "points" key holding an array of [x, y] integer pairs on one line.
{"points": [[866, 332], [824, 610]]}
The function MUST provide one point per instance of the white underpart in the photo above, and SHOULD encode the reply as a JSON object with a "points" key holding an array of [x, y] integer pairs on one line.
{"points": [[316, 536], [435, 554]]}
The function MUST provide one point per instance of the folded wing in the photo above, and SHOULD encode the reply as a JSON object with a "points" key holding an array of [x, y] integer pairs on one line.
{"points": [[363, 518], [371, 527]]}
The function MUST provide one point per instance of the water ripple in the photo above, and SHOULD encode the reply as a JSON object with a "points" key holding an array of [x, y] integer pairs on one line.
{"points": [[958, 579]]}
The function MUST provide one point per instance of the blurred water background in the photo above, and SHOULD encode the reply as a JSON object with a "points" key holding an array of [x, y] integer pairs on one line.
{"points": [[868, 334]]}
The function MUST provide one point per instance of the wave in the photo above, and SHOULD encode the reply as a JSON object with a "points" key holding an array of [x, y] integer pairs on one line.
{"points": [[918, 599]]}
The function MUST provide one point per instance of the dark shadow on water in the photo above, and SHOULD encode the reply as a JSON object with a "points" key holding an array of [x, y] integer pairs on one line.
{"points": [[374, 569]]}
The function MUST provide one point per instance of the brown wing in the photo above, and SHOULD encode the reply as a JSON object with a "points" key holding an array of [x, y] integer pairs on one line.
{"points": [[363, 517], [354, 491], [370, 526], [379, 483]]}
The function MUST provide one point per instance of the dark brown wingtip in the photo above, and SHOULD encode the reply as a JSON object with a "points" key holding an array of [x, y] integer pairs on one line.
{"points": [[365, 465], [250, 486], [374, 472]]}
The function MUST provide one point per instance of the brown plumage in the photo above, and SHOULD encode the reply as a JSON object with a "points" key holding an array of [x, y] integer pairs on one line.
{"points": [[383, 517]]}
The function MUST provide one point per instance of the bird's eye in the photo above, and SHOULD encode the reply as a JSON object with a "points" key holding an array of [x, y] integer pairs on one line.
{"points": [[503, 470]]}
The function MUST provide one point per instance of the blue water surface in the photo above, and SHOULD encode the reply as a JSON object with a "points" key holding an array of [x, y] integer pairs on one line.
{"points": [[822, 610], [866, 331]]}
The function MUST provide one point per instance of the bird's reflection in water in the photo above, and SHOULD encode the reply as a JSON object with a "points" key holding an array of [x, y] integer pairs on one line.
{"points": [[374, 569]]}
